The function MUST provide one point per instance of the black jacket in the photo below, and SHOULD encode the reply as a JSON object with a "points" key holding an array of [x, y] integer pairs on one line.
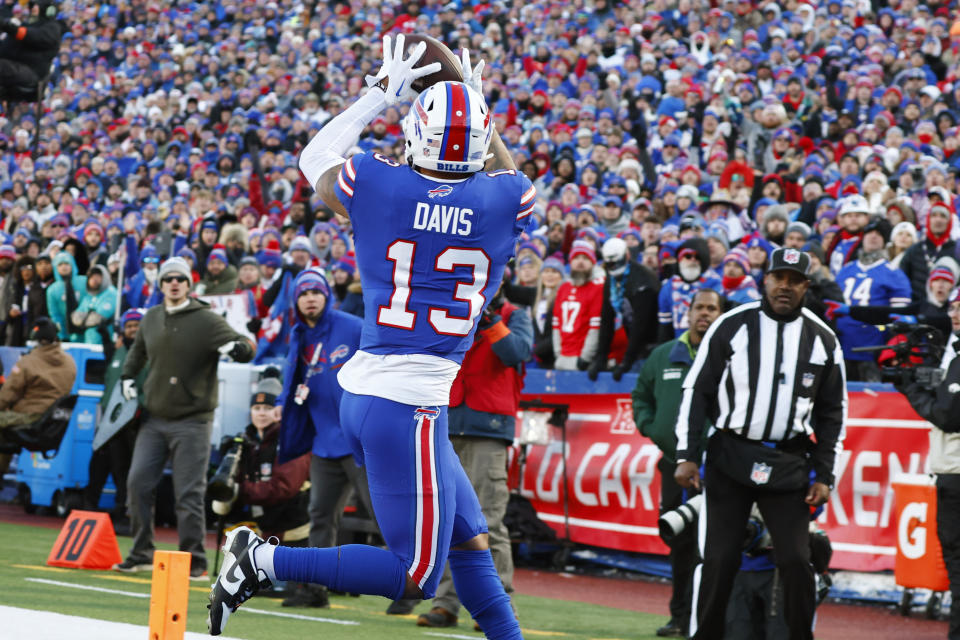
{"points": [[640, 289], [916, 263], [38, 46]]}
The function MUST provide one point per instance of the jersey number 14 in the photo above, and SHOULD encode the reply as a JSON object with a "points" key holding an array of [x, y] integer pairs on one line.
{"points": [[397, 314]]}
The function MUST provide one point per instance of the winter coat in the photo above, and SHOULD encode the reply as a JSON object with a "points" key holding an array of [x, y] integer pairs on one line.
{"points": [[182, 350], [281, 491], [57, 303], [102, 303], [32, 301], [637, 291], [138, 292], [656, 398], [916, 263], [38, 379], [35, 46], [224, 283], [511, 343]]}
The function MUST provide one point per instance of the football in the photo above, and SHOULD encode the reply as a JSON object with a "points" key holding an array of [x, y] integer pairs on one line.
{"points": [[436, 52]]}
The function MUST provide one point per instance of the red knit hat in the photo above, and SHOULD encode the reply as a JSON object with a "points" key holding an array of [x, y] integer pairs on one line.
{"points": [[583, 248]]}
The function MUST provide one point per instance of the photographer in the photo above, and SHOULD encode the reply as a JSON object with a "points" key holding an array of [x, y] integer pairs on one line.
{"points": [[940, 404], [28, 49], [755, 610], [274, 495]]}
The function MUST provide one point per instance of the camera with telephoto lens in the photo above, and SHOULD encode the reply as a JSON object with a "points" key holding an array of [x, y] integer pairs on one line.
{"points": [[673, 523], [915, 353], [223, 485]]}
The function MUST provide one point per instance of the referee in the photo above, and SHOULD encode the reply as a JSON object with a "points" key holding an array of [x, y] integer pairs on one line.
{"points": [[769, 375]]}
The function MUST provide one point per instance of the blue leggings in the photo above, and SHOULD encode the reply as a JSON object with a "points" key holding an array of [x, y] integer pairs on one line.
{"points": [[422, 499]]}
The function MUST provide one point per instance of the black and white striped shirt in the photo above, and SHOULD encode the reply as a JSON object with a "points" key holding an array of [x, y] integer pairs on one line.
{"points": [[767, 377]]}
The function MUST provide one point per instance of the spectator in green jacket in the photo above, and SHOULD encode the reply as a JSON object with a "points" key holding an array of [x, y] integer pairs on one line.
{"points": [[656, 402], [220, 278], [183, 341]]}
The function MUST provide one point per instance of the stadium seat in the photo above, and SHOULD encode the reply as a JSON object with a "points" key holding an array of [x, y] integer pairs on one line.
{"points": [[45, 434]]}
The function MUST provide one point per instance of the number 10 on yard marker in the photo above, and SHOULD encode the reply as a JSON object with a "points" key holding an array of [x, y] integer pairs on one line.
{"points": [[86, 541]]}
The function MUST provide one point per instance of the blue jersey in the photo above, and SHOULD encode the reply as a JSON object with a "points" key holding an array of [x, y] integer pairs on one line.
{"points": [[430, 253], [675, 297], [842, 253], [877, 285]]}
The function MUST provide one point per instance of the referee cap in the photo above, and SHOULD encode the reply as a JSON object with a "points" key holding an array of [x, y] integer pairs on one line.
{"points": [[786, 259]]}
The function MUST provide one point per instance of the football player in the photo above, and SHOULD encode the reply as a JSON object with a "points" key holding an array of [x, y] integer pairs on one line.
{"points": [[432, 239]]}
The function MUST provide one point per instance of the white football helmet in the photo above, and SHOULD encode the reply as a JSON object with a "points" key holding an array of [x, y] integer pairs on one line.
{"points": [[448, 128]]}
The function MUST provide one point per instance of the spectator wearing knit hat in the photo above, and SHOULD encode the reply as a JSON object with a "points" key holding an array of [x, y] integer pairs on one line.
{"points": [[347, 290], [248, 281], [903, 236], [576, 312], [114, 457], [220, 276], [183, 342], [738, 286], [141, 288]]}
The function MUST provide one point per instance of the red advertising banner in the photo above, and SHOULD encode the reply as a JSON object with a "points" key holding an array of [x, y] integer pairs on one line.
{"points": [[612, 487]]}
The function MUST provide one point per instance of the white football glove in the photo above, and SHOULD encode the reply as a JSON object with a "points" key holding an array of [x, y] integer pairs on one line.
{"points": [[471, 75], [128, 388], [399, 72]]}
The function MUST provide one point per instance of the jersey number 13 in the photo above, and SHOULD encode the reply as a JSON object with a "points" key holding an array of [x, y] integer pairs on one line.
{"points": [[397, 314]]}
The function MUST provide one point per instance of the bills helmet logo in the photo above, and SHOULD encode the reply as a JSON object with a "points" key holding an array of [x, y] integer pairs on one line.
{"points": [[791, 256], [340, 352], [441, 191]]}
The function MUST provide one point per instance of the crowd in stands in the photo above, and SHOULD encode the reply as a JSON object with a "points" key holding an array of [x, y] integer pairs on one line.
{"points": [[673, 146]]}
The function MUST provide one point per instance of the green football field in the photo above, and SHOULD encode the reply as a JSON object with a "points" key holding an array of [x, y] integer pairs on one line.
{"points": [[27, 583]]}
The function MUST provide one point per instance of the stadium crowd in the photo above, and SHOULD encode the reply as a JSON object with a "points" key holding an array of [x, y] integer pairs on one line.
{"points": [[673, 147]]}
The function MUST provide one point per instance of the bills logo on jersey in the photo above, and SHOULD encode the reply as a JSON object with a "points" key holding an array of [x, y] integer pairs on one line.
{"points": [[440, 191], [340, 352]]}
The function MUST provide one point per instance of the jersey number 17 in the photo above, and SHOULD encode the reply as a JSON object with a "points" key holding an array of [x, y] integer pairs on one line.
{"points": [[397, 314]]}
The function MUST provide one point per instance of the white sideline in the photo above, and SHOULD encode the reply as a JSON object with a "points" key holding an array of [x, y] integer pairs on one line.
{"points": [[133, 594], [46, 625]]}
